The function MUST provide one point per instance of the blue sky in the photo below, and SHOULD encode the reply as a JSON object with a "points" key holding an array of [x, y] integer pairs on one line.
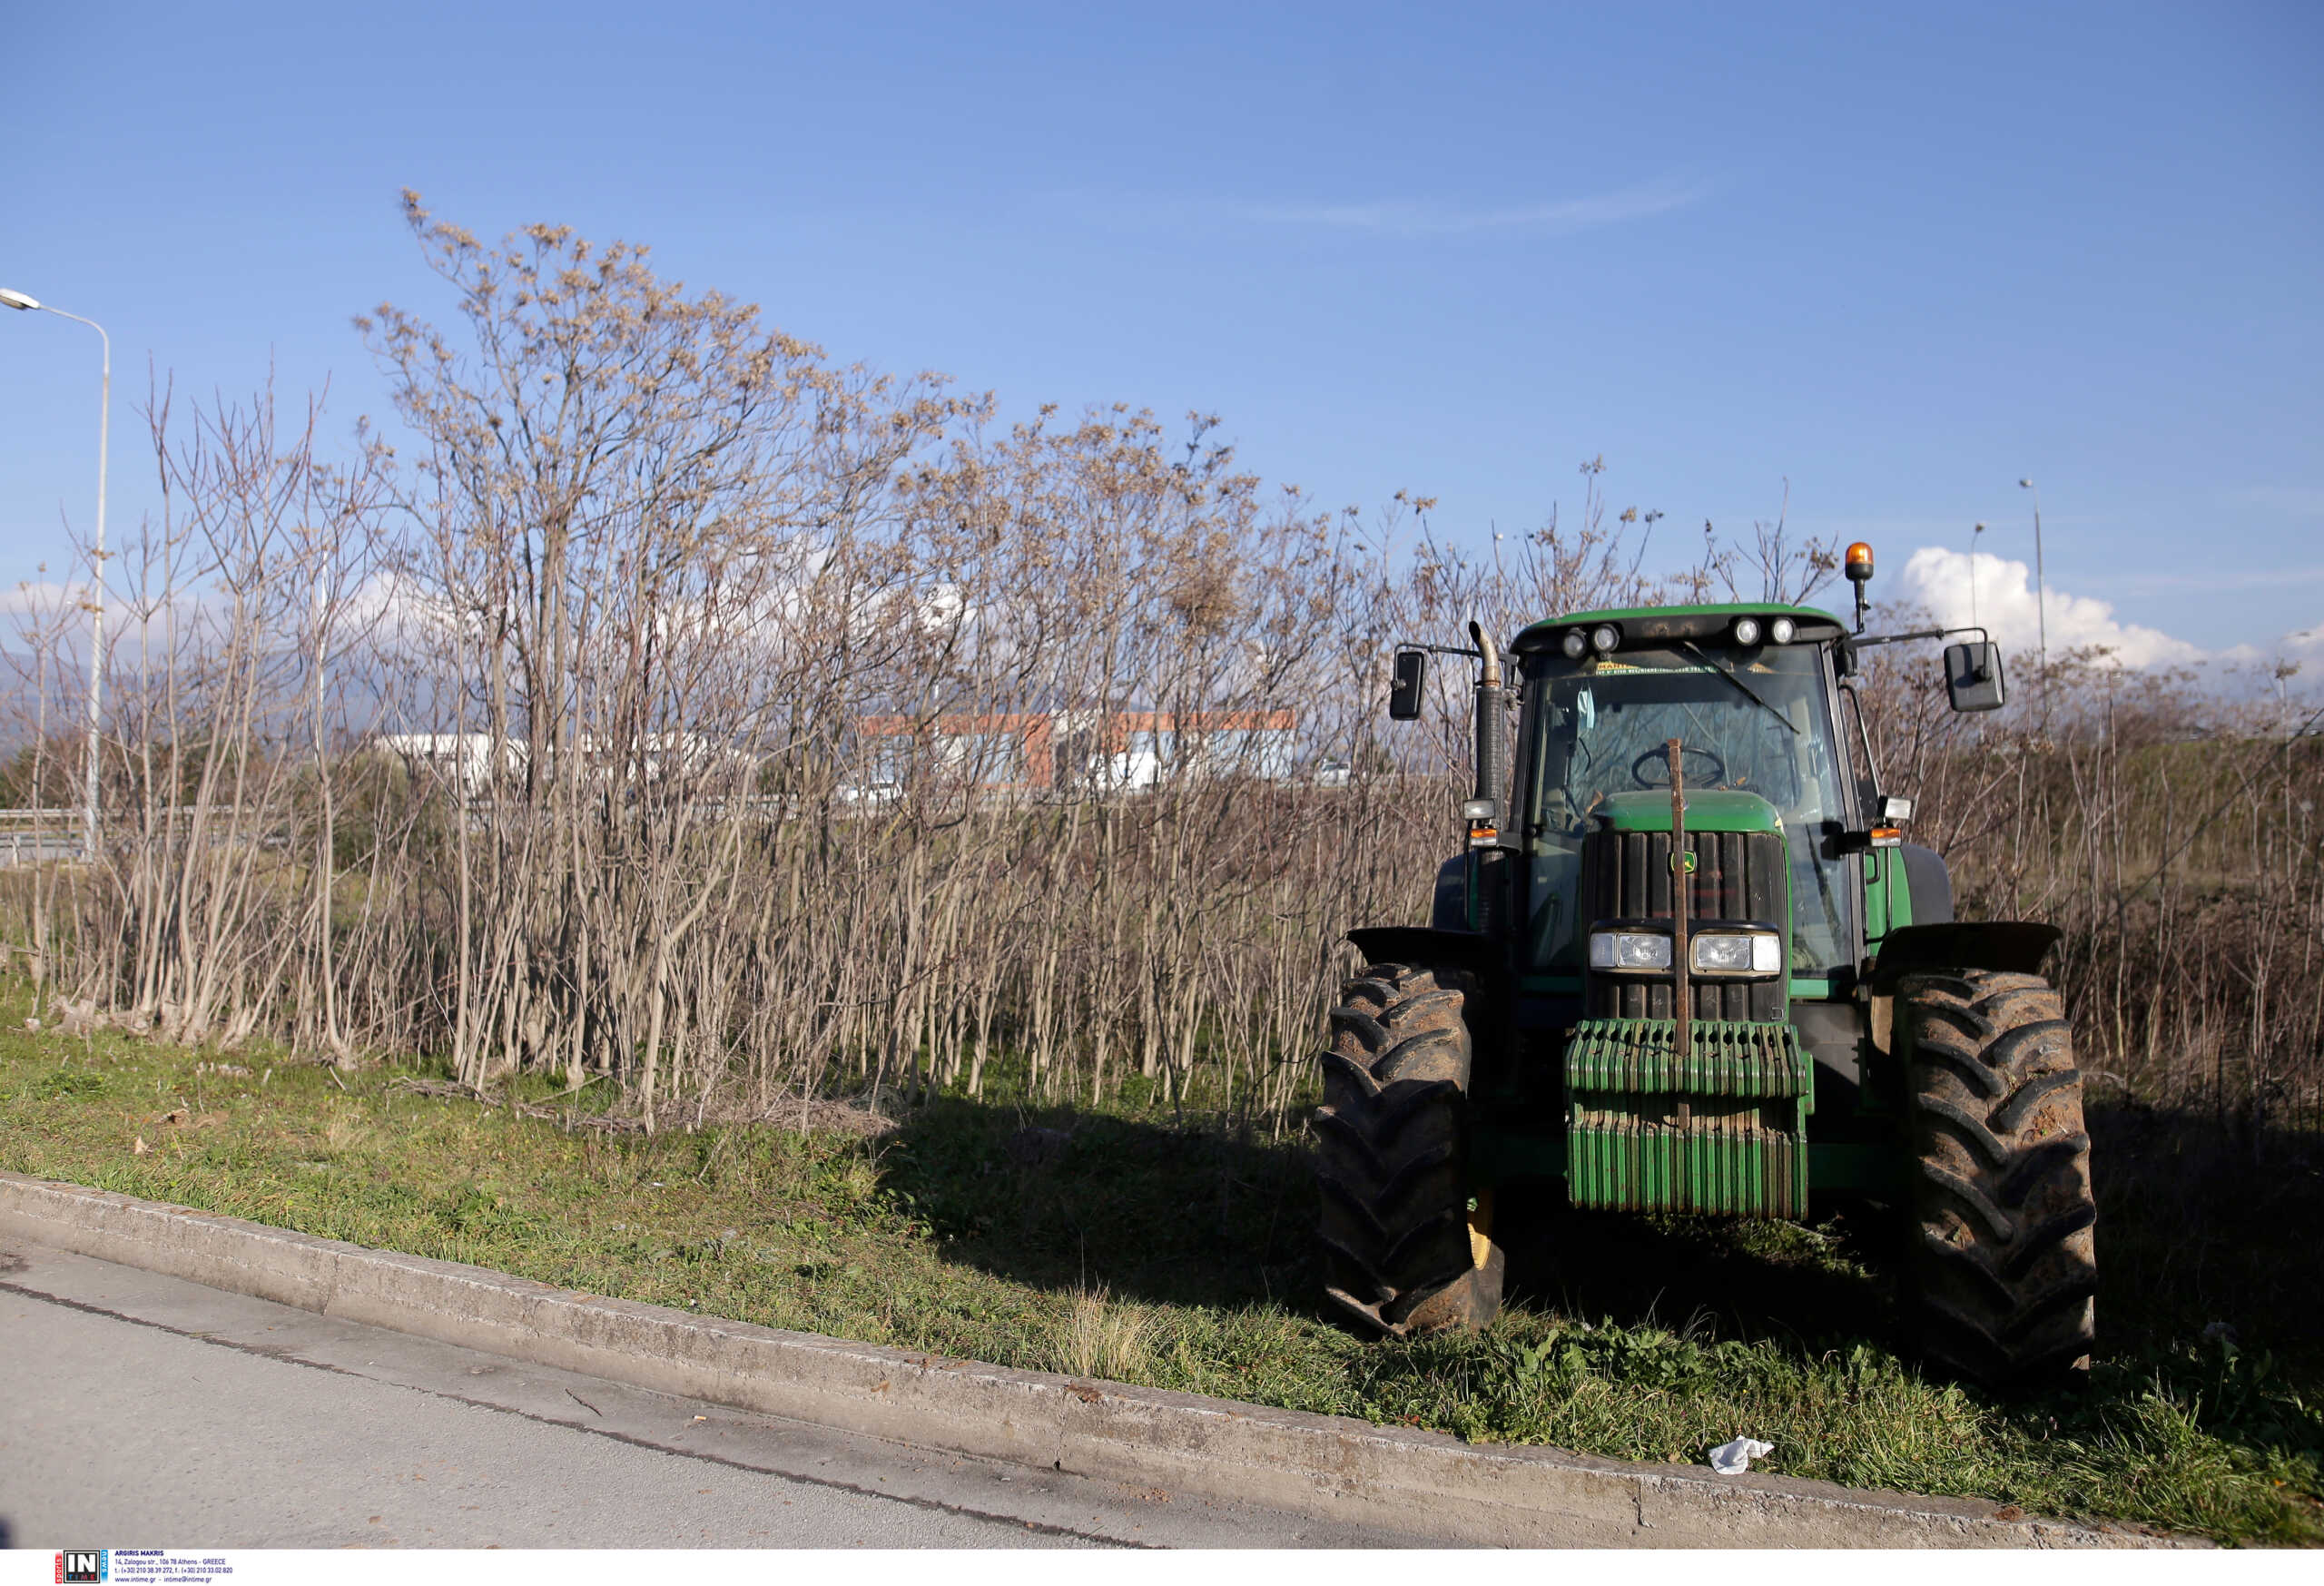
{"points": [[1897, 257]]}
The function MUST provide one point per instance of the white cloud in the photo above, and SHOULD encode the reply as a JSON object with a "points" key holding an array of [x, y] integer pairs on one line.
{"points": [[2185, 581], [2002, 600], [1406, 219], [2293, 500], [45, 606], [41, 597]]}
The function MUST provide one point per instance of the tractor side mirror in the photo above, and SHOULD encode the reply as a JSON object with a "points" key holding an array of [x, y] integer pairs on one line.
{"points": [[1412, 680], [1972, 680]]}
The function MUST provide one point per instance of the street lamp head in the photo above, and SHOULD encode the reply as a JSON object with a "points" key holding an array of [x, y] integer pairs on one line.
{"points": [[16, 300], [2025, 484]]}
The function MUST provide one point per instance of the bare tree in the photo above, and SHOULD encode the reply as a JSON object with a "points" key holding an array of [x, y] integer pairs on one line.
{"points": [[675, 707]]}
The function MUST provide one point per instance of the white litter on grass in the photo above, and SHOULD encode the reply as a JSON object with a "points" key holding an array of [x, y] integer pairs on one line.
{"points": [[1732, 1459]]}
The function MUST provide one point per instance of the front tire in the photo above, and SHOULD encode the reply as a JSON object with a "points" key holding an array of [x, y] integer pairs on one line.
{"points": [[2002, 1262], [1406, 1244]]}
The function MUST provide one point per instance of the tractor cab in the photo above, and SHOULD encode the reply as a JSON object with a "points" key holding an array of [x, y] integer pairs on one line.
{"points": [[1747, 692]]}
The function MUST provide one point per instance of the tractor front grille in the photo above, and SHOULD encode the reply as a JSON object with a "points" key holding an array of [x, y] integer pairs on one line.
{"points": [[1738, 876]]}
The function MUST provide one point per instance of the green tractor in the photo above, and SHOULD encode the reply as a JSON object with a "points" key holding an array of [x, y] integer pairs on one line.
{"points": [[1686, 963]]}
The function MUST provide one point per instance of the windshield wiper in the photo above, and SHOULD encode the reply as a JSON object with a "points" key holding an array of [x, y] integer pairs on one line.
{"points": [[1747, 691]]}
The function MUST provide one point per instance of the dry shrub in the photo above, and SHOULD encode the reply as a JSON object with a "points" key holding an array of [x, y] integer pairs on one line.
{"points": [[659, 565], [538, 741]]}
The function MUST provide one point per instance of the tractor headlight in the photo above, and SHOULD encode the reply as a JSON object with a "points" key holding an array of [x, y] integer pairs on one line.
{"points": [[1720, 952], [1573, 643], [1628, 950], [1747, 630], [1781, 629]]}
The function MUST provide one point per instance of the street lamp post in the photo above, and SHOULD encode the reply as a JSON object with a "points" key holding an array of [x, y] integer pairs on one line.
{"points": [[21, 303], [1976, 538], [2041, 596]]}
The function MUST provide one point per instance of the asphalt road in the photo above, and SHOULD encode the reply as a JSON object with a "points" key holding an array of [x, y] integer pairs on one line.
{"points": [[144, 1411]]}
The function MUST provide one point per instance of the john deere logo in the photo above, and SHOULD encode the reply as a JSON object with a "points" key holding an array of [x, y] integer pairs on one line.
{"points": [[80, 1564]]}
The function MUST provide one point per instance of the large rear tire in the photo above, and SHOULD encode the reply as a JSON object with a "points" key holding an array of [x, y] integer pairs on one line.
{"points": [[1405, 1241], [2002, 1264]]}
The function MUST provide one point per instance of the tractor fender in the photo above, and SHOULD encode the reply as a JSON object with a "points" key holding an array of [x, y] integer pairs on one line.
{"points": [[1414, 944], [1928, 883], [1450, 908], [2015, 945]]}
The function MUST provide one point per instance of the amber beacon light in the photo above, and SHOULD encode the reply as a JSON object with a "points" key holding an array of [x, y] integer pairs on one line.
{"points": [[1858, 567]]}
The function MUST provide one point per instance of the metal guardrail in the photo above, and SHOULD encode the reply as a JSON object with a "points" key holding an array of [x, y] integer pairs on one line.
{"points": [[47, 836], [39, 836]]}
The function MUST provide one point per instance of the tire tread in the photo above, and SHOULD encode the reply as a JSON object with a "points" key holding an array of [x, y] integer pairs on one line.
{"points": [[1391, 1154], [2003, 1265]]}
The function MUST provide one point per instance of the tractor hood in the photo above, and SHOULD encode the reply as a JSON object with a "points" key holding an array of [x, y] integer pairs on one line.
{"points": [[1710, 810]]}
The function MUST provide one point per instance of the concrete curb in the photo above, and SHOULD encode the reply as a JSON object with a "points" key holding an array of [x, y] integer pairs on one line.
{"points": [[1328, 1467]]}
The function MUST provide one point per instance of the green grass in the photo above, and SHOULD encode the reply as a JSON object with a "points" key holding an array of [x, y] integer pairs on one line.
{"points": [[1171, 1250]]}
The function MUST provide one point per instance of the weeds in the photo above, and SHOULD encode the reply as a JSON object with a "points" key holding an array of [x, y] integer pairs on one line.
{"points": [[1099, 1336]]}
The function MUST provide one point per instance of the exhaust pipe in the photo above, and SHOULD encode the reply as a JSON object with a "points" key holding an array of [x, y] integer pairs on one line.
{"points": [[1491, 723]]}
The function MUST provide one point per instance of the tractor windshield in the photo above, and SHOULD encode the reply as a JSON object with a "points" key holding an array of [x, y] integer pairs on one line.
{"points": [[1753, 719]]}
